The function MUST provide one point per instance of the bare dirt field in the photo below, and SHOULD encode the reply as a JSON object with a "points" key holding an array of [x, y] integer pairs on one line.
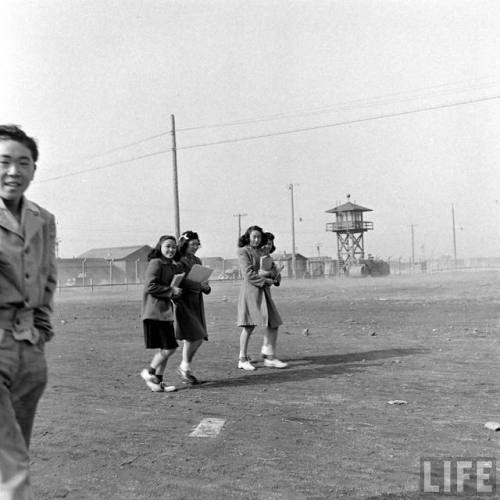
{"points": [[320, 429]]}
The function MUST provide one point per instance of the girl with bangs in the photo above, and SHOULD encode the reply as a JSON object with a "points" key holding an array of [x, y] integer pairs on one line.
{"points": [[158, 311]]}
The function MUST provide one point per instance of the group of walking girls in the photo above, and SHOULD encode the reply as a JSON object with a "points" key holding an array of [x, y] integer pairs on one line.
{"points": [[174, 312]]}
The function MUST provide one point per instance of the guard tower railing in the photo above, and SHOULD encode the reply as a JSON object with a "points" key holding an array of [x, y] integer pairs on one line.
{"points": [[354, 225]]}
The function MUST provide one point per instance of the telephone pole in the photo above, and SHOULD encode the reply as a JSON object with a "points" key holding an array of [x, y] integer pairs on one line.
{"points": [[454, 235], [239, 222], [294, 268], [412, 226], [176, 185]]}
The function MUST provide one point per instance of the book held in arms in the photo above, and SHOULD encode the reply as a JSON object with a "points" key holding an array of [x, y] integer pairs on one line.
{"points": [[177, 279], [199, 274], [267, 262]]}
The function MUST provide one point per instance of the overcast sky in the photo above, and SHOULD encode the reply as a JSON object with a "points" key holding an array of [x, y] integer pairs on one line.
{"points": [[394, 102]]}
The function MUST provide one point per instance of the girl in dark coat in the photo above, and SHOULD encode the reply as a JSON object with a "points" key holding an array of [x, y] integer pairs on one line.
{"points": [[190, 325], [158, 311], [255, 305]]}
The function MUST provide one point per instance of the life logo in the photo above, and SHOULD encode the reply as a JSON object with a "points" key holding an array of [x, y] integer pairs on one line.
{"points": [[458, 475]]}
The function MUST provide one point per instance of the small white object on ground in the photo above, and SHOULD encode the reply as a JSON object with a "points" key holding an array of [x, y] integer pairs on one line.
{"points": [[397, 402], [494, 426], [208, 427]]}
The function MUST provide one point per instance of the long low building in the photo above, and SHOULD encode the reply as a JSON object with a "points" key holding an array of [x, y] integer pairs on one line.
{"points": [[119, 265]]}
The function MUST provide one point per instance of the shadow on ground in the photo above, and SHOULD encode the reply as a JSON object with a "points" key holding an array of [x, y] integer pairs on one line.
{"points": [[312, 367]]}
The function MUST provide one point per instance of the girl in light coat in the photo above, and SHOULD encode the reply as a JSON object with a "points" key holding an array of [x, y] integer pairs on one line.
{"points": [[269, 269], [255, 304]]}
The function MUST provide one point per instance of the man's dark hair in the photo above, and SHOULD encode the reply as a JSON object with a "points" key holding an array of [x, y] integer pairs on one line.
{"points": [[15, 133]]}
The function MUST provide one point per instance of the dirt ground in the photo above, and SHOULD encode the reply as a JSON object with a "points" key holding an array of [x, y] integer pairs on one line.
{"points": [[320, 429]]}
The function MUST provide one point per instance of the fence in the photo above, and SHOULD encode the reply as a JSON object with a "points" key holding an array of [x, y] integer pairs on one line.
{"points": [[92, 273]]}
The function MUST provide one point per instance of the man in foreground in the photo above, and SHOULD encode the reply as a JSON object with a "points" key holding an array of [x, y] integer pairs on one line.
{"points": [[27, 284]]}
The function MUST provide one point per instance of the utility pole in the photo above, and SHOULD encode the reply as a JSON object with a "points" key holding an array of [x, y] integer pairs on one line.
{"points": [[176, 185], [454, 236], [83, 271], [57, 242], [294, 268], [412, 226], [239, 223]]}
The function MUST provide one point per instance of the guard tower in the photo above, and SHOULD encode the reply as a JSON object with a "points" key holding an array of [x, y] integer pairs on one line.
{"points": [[350, 228]]}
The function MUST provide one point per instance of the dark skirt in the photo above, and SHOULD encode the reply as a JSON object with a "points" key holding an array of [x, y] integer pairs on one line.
{"points": [[159, 334], [190, 317]]}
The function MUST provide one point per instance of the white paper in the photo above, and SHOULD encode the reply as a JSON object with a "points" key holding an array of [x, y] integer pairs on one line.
{"points": [[199, 273]]}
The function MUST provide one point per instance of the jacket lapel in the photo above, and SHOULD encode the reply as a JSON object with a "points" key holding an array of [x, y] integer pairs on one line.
{"points": [[32, 220], [7, 220]]}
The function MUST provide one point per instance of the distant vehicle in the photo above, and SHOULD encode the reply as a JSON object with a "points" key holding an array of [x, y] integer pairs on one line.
{"points": [[232, 274], [70, 282]]}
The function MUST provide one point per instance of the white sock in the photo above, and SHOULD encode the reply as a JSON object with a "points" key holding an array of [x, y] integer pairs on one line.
{"points": [[185, 366], [267, 350]]}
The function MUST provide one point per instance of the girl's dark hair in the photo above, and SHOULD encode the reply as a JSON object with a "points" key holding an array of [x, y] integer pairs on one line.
{"points": [[155, 253], [15, 133], [244, 239], [269, 237], [184, 240]]}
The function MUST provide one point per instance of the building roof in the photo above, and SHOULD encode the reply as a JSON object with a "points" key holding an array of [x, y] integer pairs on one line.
{"points": [[348, 207], [318, 258], [287, 256], [212, 259], [115, 253], [235, 262]]}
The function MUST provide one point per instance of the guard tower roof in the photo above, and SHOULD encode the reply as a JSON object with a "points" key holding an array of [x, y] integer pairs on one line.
{"points": [[348, 207]]}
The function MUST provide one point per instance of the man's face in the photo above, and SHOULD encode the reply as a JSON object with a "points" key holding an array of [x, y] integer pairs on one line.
{"points": [[17, 169]]}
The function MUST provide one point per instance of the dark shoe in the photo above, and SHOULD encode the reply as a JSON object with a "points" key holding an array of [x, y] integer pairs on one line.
{"points": [[187, 376]]}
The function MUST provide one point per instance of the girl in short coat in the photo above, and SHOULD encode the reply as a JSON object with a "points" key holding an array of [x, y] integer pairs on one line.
{"points": [[158, 311]]}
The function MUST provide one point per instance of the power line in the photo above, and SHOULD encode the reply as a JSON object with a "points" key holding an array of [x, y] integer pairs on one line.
{"points": [[343, 106], [125, 146], [275, 134], [102, 167], [118, 148], [348, 105], [336, 124]]}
